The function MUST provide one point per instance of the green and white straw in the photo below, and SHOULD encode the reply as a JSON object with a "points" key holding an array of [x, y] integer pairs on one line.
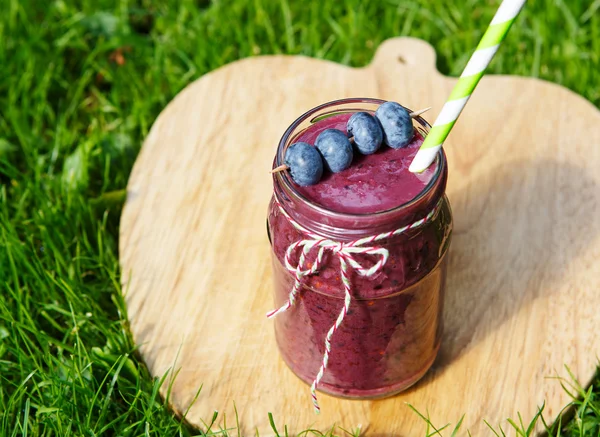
{"points": [[492, 38]]}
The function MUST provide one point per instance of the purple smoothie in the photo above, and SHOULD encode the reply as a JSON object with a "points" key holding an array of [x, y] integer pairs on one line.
{"points": [[392, 331], [373, 183]]}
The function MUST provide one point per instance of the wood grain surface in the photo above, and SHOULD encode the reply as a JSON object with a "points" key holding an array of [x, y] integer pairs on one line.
{"points": [[522, 297]]}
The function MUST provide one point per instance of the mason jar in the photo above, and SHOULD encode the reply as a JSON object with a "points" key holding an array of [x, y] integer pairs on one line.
{"points": [[392, 330]]}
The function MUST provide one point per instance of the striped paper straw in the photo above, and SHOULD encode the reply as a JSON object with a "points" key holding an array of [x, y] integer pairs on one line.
{"points": [[492, 38]]}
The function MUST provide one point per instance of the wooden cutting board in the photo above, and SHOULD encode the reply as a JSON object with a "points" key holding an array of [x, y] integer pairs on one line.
{"points": [[524, 275]]}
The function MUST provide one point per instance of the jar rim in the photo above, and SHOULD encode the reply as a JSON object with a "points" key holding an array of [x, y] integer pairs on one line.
{"points": [[284, 179]]}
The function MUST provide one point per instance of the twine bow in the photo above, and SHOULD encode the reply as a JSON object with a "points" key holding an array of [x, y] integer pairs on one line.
{"points": [[345, 252]]}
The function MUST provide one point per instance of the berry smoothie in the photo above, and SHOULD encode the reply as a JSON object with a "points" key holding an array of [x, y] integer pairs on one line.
{"points": [[373, 183], [391, 333]]}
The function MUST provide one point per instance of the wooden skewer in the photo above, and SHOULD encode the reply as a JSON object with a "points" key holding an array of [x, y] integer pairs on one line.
{"points": [[419, 112], [278, 169], [412, 114]]}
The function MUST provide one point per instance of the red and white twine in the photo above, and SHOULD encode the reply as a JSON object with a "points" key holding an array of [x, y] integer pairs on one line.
{"points": [[345, 252]]}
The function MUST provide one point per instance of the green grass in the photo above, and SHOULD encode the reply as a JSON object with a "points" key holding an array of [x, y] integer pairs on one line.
{"points": [[80, 85]]}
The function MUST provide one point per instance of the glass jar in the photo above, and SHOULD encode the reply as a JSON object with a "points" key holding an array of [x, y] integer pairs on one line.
{"points": [[392, 331]]}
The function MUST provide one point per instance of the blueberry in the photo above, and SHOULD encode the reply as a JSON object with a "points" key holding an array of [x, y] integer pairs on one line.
{"points": [[396, 123], [305, 163], [335, 148], [366, 131]]}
